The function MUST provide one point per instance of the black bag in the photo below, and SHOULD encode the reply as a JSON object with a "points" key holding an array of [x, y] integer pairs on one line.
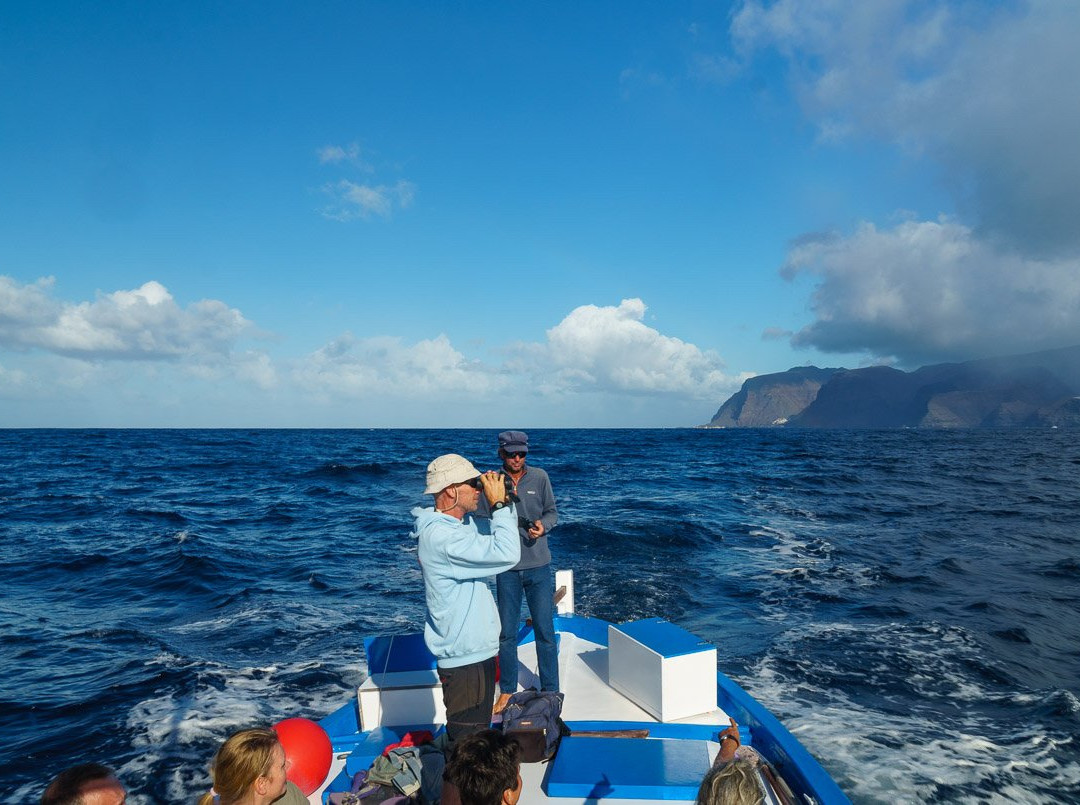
{"points": [[532, 718]]}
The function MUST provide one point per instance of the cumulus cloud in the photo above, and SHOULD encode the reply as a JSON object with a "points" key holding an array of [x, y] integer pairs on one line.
{"points": [[24, 308], [131, 346], [145, 323], [384, 365], [984, 94], [350, 201], [610, 349], [593, 350], [933, 291]]}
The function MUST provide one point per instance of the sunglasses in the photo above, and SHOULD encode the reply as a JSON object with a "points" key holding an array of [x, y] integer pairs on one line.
{"points": [[515, 455], [475, 483]]}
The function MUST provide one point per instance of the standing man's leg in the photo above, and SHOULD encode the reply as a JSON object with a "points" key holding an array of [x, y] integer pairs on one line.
{"points": [[540, 594], [467, 694], [508, 592]]}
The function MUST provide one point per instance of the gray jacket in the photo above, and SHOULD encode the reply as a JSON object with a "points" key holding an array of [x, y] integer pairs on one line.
{"points": [[537, 503]]}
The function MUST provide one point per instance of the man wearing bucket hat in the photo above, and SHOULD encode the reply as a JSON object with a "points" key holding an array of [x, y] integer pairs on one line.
{"points": [[457, 554], [531, 577]]}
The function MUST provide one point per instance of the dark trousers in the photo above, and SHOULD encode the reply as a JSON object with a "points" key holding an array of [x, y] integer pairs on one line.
{"points": [[468, 691]]}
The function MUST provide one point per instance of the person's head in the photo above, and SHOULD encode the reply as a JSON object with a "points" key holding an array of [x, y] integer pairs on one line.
{"points": [[251, 763], [455, 483], [485, 766], [513, 447], [85, 784], [735, 783]]}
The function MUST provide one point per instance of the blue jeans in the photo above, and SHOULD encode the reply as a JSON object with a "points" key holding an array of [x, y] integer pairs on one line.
{"points": [[538, 585]]}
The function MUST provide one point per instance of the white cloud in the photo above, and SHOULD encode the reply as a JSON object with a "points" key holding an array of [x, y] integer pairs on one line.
{"points": [[25, 308], [985, 94], [610, 349], [257, 368], [985, 91], [350, 200], [933, 291], [332, 154], [145, 323], [386, 366], [593, 350], [143, 352]]}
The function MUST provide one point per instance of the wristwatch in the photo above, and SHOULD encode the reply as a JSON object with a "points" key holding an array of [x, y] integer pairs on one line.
{"points": [[502, 504]]}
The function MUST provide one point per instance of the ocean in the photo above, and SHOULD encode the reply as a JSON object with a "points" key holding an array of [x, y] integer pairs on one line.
{"points": [[907, 602]]}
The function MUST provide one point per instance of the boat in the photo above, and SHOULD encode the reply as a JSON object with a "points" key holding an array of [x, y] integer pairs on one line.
{"points": [[650, 679]]}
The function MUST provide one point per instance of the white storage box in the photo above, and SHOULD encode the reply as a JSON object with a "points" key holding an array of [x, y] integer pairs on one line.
{"points": [[662, 668], [401, 698]]}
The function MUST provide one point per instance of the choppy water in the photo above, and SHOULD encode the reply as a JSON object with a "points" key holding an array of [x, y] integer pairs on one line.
{"points": [[906, 601]]}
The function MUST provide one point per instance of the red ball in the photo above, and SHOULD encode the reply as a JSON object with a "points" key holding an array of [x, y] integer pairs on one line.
{"points": [[308, 753]]}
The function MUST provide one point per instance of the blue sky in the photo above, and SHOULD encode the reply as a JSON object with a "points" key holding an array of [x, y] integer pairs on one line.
{"points": [[520, 215]]}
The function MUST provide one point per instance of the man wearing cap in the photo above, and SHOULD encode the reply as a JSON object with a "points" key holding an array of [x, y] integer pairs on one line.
{"points": [[457, 553], [531, 577]]}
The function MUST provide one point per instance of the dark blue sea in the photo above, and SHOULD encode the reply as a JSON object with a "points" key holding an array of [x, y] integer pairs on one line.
{"points": [[907, 602]]}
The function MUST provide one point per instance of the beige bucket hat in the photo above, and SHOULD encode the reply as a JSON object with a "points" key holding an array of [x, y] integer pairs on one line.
{"points": [[447, 470]]}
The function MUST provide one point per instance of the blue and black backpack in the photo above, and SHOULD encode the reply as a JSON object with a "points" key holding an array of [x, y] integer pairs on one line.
{"points": [[533, 719]]}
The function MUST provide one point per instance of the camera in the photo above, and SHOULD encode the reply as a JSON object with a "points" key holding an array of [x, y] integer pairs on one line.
{"points": [[526, 523], [511, 495]]}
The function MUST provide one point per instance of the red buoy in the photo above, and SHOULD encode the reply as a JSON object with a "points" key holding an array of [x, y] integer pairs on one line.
{"points": [[308, 753]]}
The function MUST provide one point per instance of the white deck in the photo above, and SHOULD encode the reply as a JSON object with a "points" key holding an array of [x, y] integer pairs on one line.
{"points": [[583, 676]]}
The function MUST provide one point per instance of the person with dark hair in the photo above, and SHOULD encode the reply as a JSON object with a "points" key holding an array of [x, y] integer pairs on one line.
{"points": [[485, 768], [85, 784]]}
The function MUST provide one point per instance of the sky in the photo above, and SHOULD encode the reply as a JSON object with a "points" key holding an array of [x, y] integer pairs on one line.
{"points": [[513, 215]]}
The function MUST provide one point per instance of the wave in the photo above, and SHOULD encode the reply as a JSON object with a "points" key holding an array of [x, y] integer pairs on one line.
{"points": [[342, 472]]}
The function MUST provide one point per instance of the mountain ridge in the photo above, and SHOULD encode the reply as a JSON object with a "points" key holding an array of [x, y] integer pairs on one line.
{"points": [[1038, 389]]}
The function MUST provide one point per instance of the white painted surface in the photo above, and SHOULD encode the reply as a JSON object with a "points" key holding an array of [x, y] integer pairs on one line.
{"points": [[565, 578], [668, 688], [405, 697]]}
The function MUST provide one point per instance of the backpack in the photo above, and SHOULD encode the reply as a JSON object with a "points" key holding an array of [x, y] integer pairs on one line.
{"points": [[532, 718]]}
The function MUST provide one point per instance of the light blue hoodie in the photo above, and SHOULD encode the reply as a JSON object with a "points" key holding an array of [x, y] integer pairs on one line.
{"points": [[456, 557]]}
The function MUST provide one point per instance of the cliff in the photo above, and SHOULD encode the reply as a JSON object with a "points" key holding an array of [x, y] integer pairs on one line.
{"points": [[768, 400], [1034, 390]]}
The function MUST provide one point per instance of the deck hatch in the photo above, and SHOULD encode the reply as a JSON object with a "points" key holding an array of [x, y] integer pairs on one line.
{"points": [[627, 768]]}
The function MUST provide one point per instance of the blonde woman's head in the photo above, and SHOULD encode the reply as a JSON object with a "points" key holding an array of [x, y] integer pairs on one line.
{"points": [[735, 783], [250, 761]]}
